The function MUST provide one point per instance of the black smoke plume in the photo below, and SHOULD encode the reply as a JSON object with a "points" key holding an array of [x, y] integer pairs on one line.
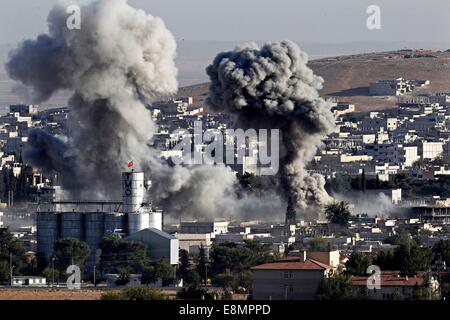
{"points": [[272, 87]]}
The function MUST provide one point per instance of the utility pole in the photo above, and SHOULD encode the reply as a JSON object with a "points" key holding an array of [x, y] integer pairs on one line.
{"points": [[11, 268], [95, 283], [53, 271], [206, 274]]}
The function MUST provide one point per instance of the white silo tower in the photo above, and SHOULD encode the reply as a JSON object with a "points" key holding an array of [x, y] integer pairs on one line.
{"points": [[139, 211], [133, 191]]}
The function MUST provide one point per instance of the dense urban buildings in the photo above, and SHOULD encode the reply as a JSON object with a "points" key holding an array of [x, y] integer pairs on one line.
{"points": [[268, 182], [387, 158]]}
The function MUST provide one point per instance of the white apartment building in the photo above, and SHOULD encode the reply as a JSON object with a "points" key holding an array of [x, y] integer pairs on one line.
{"points": [[431, 150], [376, 124], [393, 153], [191, 242]]}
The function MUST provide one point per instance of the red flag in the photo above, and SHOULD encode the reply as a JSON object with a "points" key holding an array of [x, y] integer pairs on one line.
{"points": [[130, 164]]}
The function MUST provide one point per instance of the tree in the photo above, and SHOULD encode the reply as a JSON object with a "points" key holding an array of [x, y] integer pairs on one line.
{"points": [[419, 293], [402, 237], [11, 247], [41, 262], [202, 264], [230, 256], [184, 267], [363, 180], [409, 257], [194, 293], [445, 291], [245, 279], [336, 287], [165, 271], [319, 244], [261, 253], [441, 251], [149, 275], [385, 260], [338, 212], [340, 184], [357, 264], [4, 272], [68, 251], [118, 253], [49, 274], [226, 280], [124, 276]]}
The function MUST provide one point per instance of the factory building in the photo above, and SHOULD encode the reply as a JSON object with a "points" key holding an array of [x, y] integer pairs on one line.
{"points": [[161, 245], [90, 221]]}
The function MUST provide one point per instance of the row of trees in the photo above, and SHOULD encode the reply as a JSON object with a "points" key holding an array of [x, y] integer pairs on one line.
{"points": [[118, 256], [408, 257], [12, 253], [228, 266]]}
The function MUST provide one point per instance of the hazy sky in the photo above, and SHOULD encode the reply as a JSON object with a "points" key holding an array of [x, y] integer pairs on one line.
{"points": [[299, 20]]}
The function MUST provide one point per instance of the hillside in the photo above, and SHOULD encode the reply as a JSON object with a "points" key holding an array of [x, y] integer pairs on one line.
{"points": [[348, 77]]}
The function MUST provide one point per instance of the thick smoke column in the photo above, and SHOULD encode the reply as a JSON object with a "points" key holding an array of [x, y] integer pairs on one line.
{"points": [[272, 87], [119, 60]]}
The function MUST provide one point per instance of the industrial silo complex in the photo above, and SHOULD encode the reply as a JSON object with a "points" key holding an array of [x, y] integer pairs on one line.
{"points": [[90, 221]]}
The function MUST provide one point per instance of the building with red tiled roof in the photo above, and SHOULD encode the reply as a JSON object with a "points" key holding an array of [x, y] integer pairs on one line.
{"points": [[392, 285], [308, 264], [293, 277]]}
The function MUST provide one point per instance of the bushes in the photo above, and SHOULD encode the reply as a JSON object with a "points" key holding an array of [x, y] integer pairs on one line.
{"points": [[357, 264], [194, 293], [336, 287], [135, 294]]}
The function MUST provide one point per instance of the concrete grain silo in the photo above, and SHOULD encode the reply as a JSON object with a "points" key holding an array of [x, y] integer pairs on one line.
{"points": [[90, 221]]}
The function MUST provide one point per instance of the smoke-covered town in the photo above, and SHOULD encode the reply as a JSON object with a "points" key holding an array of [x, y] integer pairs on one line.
{"points": [[279, 175]]}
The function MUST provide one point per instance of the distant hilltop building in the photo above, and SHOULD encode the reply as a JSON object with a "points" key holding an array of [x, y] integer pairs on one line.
{"points": [[90, 221], [172, 107], [25, 110], [341, 108], [396, 87]]}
